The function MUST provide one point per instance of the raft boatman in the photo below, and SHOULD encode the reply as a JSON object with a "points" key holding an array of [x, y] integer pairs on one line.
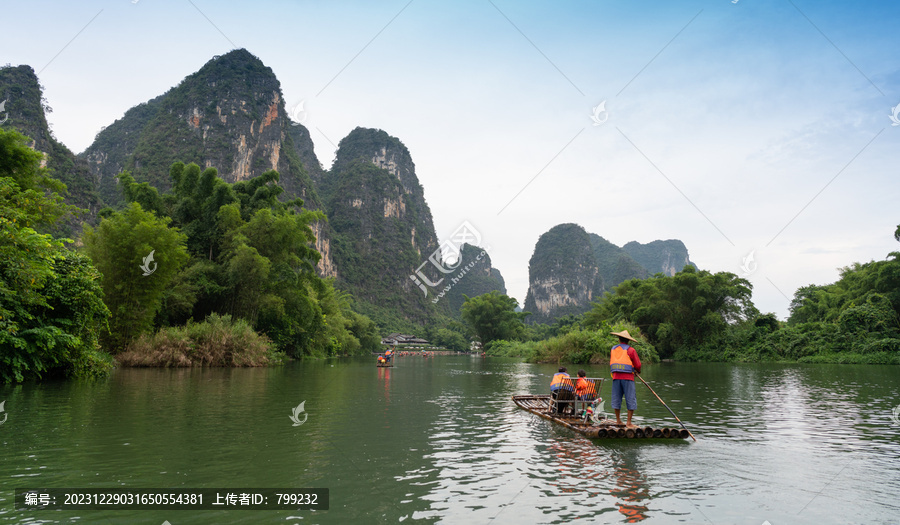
{"points": [[623, 363], [389, 354]]}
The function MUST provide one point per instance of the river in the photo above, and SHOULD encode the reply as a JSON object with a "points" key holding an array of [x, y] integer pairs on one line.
{"points": [[438, 440]]}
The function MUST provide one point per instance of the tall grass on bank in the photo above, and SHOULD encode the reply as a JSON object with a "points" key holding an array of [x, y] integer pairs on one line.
{"points": [[217, 341], [575, 347]]}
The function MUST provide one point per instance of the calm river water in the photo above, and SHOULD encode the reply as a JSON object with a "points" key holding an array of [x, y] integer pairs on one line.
{"points": [[438, 440]]}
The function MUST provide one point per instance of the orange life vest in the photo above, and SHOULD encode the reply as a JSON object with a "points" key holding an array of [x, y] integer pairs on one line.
{"points": [[619, 360], [585, 388], [560, 381]]}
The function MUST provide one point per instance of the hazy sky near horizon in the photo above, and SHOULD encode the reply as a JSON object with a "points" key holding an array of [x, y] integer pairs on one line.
{"points": [[758, 132]]}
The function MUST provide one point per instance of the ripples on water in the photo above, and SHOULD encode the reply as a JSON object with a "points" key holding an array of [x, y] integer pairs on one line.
{"points": [[776, 443], [440, 441]]}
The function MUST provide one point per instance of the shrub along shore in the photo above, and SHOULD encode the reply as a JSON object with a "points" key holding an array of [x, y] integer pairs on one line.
{"points": [[578, 346], [217, 341]]}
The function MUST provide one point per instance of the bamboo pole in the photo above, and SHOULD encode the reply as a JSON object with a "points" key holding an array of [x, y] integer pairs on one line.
{"points": [[667, 407]]}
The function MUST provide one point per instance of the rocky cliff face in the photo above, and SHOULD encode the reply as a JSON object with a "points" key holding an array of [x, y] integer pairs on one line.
{"points": [[479, 277], [379, 240], [24, 110], [303, 145], [667, 257], [615, 264], [229, 115], [563, 274], [110, 153], [571, 268], [382, 225]]}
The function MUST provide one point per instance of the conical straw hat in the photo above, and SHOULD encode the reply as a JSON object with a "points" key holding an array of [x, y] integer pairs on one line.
{"points": [[625, 334]]}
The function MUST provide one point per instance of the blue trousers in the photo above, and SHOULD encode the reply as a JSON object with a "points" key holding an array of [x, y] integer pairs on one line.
{"points": [[620, 388]]}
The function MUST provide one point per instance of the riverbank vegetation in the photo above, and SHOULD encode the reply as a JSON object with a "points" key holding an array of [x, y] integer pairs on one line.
{"points": [[576, 346], [51, 306], [232, 255], [697, 315], [855, 320], [233, 249], [700, 316], [217, 341], [492, 318]]}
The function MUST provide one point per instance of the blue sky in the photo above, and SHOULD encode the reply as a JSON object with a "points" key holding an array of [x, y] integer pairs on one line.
{"points": [[738, 127]]}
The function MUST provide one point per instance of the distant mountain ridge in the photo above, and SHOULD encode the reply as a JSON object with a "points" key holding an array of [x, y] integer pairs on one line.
{"points": [[380, 236], [480, 277], [563, 274], [229, 115], [667, 257], [382, 225], [25, 111], [571, 268]]}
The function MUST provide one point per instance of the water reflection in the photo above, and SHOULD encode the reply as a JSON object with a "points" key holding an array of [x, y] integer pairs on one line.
{"points": [[599, 479], [384, 375], [439, 440]]}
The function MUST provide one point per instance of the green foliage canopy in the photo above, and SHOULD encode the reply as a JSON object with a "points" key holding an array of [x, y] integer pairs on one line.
{"points": [[677, 311], [120, 248], [51, 307], [450, 340], [827, 303], [493, 316], [252, 256]]}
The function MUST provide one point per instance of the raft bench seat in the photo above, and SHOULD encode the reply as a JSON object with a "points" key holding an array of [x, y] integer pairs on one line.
{"points": [[586, 399], [563, 400]]}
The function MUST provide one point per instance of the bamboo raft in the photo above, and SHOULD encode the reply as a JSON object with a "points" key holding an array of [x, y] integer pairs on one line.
{"points": [[389, 364], [607, 428]]}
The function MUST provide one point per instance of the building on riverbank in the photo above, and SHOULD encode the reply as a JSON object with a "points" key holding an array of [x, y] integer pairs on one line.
{"points": [[396, 339]]}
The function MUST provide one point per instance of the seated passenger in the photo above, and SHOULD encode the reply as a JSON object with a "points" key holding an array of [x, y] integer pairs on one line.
{"points": [[560, 381], [585, 389], [561, 390]]}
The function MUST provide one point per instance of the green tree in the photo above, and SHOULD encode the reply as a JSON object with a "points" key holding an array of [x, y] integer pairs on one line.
{"points": [[857, 281], [252, 257], [365, 331], [688, 308], [50, 304], [32, 197], [270, 263], [493, 316], [134, 283], [450, 340]]}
